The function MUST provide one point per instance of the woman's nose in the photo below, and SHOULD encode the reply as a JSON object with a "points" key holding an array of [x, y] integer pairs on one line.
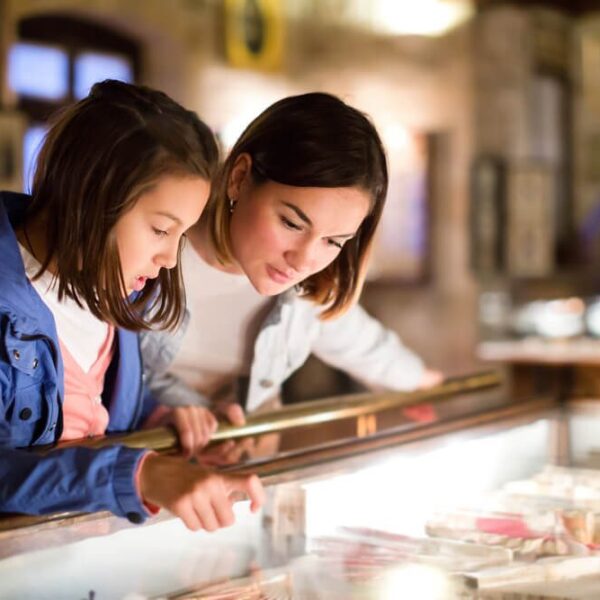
{"points": [[303, 258]]}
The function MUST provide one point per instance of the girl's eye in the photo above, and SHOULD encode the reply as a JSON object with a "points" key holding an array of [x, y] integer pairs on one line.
{"points": [[160, 232], [290, 224], [339, 245]]}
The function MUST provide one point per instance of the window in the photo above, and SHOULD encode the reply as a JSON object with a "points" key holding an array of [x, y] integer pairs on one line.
{"points": [[39, 71], [55, 62], [91, 67]]}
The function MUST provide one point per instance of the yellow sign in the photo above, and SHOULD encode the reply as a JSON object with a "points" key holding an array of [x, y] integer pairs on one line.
{"points": [[254, 33]]}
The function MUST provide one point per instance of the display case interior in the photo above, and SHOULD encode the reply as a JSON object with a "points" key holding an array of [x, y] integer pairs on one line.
{"points": [[461, 493]]}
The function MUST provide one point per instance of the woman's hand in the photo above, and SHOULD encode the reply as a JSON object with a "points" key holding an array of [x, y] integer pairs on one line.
{"points": [[228, 453], [430, 378], [202, 499], [424, 413]]}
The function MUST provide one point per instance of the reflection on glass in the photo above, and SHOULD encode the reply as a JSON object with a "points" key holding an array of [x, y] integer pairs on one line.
{"points": [[91, 67], [433, 584], [38, 71], [454, 474], [240, 451], [32, 142]]}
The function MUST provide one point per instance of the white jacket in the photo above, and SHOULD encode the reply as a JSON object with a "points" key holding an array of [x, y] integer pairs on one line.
{"points": [[354, 342]]}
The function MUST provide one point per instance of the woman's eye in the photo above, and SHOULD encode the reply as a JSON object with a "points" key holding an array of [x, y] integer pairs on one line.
{"points": [[160, 232], [290, 224], [339, 245]]}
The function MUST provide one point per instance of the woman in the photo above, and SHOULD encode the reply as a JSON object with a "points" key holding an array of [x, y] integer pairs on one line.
{"points": [[275, 265]]}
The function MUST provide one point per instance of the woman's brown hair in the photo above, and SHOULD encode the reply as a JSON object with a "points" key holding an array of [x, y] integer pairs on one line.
{"points": [[312, 140], [98, 157]]}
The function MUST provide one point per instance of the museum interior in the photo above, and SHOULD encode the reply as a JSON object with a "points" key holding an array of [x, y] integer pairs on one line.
{"points": [[486, 264]]}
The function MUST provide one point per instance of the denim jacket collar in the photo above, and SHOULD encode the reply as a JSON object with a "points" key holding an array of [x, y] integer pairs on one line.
{"points": [[29, 315]]}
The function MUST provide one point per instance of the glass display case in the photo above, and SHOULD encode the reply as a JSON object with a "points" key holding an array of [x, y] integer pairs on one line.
{"points": [[456, 492]]}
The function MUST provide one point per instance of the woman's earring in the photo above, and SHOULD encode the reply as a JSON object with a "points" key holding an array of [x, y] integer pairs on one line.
{"points": [[232, 204]]}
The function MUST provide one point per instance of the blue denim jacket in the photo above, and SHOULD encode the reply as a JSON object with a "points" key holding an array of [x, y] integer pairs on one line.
{"points": [[31, 395], [354, 342]]}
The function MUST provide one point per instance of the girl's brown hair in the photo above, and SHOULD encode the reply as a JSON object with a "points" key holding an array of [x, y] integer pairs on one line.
{"points": [[98, 157], [312, 140]]}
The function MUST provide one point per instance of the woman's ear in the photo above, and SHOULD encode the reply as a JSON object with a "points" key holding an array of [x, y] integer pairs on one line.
{"points": [[240, 172]]}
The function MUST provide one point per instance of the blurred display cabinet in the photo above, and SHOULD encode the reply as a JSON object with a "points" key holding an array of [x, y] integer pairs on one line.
{"points": [[488, 215], [524, 94], [513, 231], [530, 241], [457, 493]]}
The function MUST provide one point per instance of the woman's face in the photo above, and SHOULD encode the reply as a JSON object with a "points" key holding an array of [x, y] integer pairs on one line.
{"points": [[149, 234], [282, 234]]}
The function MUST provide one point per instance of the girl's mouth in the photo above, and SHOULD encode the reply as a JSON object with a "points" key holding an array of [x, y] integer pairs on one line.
{"points": [[139, 282]]}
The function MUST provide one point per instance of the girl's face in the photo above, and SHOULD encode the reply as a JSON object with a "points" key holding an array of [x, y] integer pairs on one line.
{"points": [[282, 234], [148, 235]]}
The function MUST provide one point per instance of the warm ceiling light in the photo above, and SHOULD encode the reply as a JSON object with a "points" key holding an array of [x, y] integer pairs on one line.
{"points": [[423, 17]]}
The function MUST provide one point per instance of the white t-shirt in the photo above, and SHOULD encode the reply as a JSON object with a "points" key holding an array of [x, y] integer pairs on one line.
{"points": [[226, 313], [78, 329]]}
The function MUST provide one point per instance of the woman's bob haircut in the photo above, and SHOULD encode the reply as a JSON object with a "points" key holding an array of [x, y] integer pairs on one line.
{"points": [[99, 156], [311, 140]]}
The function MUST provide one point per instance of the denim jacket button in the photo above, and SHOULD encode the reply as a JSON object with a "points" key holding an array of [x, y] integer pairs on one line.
{"points": [[25, 414], [16, 354], [266, 383], [35, 363]]}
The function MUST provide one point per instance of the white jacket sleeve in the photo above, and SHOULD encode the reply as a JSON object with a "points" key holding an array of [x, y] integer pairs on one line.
{"points": [[374, 355]]}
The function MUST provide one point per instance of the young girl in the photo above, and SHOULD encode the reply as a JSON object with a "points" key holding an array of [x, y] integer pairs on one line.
{"points": [[275, 265], [121, 176]]}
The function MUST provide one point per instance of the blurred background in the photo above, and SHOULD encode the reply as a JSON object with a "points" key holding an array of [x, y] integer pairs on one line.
{"points": [[490, 112]]}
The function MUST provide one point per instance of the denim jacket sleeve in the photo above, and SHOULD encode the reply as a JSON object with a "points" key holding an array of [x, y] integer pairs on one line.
{"points": [[374, 355], [74, 479], [158, 352]]}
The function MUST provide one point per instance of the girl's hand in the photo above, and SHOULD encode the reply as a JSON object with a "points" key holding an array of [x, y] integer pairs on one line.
{"points": [[232, 411], [202, 499], [195, 426]]}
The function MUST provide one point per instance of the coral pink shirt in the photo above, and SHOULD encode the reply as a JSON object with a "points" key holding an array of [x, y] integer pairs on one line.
{"points": [[84, 415]]}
